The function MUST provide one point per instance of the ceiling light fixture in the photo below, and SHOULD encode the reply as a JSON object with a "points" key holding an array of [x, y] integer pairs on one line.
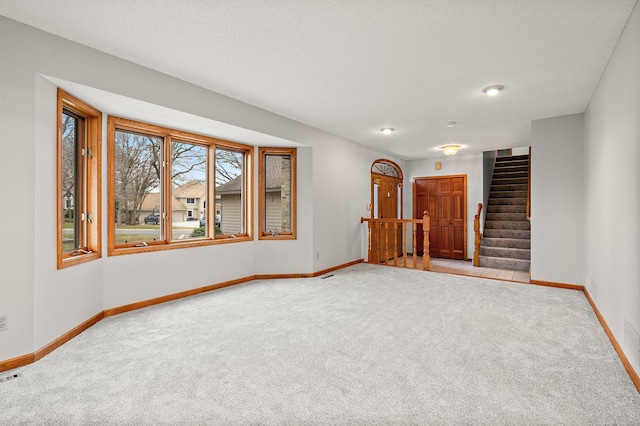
{"points": [[450, 123], [450, 149], [387, 130], [493, 90]]}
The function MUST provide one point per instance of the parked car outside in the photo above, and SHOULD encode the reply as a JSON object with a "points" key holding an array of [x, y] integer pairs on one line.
{"points": [[152, 218], [203, 221]]}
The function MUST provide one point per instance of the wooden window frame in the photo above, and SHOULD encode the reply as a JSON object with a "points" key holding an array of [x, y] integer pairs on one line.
{"points": [[89, 183], [263, 233], [169, 135]]}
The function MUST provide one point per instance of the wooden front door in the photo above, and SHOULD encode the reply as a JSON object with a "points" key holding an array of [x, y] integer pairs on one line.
{"points": [[386, 243], [445, 199]]}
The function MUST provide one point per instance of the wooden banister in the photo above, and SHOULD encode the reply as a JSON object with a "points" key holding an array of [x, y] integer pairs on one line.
{"points": [[383, 236], [478, 236], [426, 227]]}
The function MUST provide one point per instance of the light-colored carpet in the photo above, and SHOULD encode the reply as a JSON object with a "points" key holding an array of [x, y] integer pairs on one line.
{"points": [[370, 345]]}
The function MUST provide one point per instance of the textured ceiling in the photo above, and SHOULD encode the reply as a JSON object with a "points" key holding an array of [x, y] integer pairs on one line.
{"points": [[352, 67]]}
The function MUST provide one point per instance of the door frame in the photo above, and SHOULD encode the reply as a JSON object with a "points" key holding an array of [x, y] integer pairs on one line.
{"points": [[375, 174], [385, 169], [417, 215]]}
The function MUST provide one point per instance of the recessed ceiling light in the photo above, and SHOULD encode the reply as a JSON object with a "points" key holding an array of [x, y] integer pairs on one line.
{"points": [[450, 124], [493, 90], [387, 130], [450, 149]]}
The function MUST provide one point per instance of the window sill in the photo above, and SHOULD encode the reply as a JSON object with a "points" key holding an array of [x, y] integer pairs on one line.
{"points": [[117, 251], [67, 261], [278, 237]]}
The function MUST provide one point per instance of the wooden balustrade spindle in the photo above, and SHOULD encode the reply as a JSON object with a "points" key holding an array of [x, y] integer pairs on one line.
{"points": [[415, 247], [379, 244], [404, 244], [386, 246], [395, 243], [478, 236], [426, 227], [378, 249], [369, 226]]}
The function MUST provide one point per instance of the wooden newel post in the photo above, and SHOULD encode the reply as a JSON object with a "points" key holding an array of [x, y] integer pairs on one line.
{"points": [[426, 227], [478, 236]]}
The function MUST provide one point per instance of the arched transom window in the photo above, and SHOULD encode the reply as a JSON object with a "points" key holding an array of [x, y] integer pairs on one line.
{"points": [[386, 168]]}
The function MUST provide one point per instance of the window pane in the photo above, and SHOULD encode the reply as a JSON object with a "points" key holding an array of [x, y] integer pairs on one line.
{"points": [[77, 181], [277, 194], [138, 203], [189, 190], [230, 192], [69, 183]]}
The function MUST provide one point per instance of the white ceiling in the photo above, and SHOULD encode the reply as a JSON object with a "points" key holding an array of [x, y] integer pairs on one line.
{"points": [[352, 67]]}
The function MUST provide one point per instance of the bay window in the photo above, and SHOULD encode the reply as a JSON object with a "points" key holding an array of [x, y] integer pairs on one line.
{"points": [[156, 178]]}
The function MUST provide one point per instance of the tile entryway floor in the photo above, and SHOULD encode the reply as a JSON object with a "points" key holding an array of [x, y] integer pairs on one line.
{"points": [[461, 267]]}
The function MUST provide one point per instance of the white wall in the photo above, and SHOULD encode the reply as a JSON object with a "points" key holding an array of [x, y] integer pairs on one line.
{"points": [[43, 303], [612, 193], [77, 291], [556, 199], [344, 200], [273, 257], [17, 225], [521, 150], [460, 164]]}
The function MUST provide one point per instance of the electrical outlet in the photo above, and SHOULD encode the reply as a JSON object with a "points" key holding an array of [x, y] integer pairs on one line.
{"points": [[4, 325]]}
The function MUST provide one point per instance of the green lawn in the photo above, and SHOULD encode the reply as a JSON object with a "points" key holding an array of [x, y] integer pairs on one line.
{"points": [[134, 238], [131, 236]]}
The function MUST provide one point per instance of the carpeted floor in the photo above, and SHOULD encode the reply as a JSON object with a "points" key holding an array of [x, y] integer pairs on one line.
{"points": [[369, 345]]}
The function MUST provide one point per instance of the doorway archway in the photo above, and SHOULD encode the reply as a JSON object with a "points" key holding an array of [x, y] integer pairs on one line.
{"points": [[386, 199]]}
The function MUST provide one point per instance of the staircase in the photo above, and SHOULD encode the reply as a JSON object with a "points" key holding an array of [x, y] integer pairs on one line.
{"points": [[506, 240]]}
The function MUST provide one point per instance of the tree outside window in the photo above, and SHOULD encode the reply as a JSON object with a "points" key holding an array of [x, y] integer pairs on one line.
{"points": [[160, 180], [78, 181]]}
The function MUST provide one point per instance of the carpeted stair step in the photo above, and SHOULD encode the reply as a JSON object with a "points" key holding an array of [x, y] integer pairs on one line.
{"points": [[507, 201], [521, 243], [509, 194], [502, 167], [513, 159], [506, 233], [510, 225], [506, 252], [502, 263], [506, 216], [506, 242], [508, 187], [498, 171], [510, 181], [507, 208], [517, 163], [520, 157], [510, 175], [509, 168]]}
